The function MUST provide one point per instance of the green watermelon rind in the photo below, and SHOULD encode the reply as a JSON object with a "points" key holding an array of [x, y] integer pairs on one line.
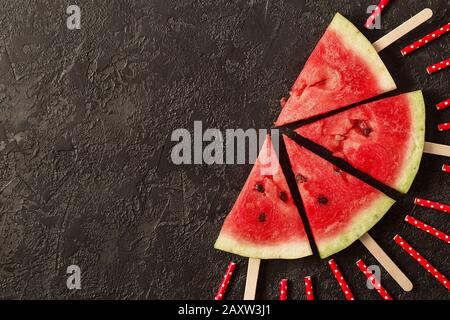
{"points": [[355, 41], [360, 225], [415, 152], [295, 249]]}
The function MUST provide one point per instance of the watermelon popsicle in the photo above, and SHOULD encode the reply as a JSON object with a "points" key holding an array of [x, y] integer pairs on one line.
{"points": [[343, 69], [264, 222], [328, 80], [340, 208]]}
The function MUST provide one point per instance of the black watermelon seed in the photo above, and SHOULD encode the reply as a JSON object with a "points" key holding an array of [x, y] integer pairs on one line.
{"points": [[283, 196], [262, 217], [367, 131], [322, 200], [301, 178], [260, 188], [363, 127]]}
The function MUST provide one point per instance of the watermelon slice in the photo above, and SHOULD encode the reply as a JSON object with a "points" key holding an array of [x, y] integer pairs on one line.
{"points": [[264, 222], [340, 208], [384, 139], [343, 69]]}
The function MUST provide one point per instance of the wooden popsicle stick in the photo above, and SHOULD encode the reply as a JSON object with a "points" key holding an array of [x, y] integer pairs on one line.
{"points": [[252, 278], [437, 149], [403, 29], [386, 262]]}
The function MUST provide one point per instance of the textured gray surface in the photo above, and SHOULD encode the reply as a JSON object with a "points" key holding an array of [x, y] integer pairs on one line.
{"points": [[85, 123]]}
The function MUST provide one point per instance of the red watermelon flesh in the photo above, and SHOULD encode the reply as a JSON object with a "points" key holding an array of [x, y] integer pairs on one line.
{"points": [[343, 69], [264, 222], [340, 208], [384, 139]]}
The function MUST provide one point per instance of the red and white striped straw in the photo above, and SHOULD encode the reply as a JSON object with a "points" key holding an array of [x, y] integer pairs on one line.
{"points": [[380, 7], [383, 293], [225, 281], [443, 105], [428, 229], [438, 66], [422, 261], [425, 40], [444, 126], [309, 288], [446, 168], [340, 279], [283, 289], [432, 205]]}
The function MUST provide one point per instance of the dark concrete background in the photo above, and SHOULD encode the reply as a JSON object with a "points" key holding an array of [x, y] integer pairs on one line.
{"points": [[85, 124]]}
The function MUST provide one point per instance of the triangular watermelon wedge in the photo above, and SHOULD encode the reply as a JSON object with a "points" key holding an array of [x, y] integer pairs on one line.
{"points": [[264, 222], [340, 208], [343, 69], [384, 139]]}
